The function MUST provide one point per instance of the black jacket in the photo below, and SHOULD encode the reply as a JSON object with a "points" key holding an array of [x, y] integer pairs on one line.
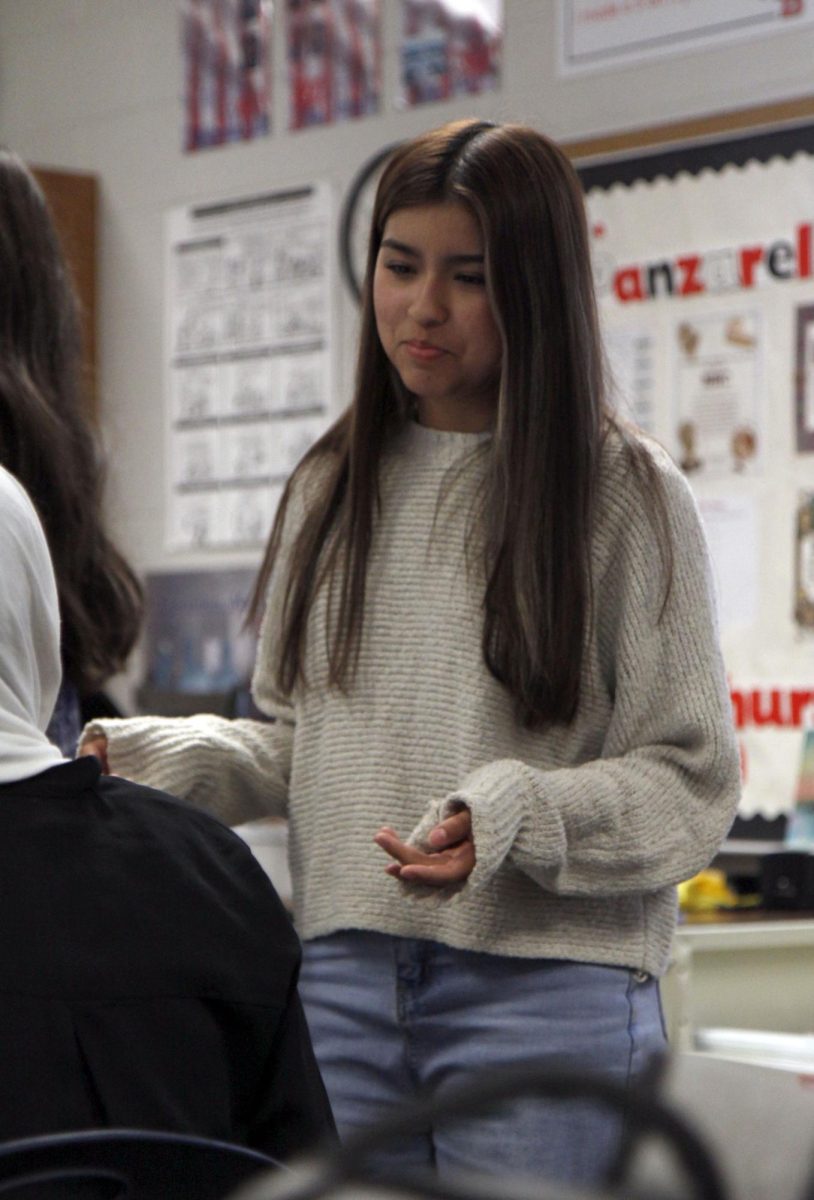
{"points": [[147, 971]]}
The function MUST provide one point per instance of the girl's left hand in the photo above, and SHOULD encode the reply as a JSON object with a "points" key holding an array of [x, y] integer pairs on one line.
{"points": [[450, 861]]}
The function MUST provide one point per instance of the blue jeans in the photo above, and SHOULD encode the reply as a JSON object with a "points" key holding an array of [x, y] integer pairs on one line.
{"points": [[394, 1017]]}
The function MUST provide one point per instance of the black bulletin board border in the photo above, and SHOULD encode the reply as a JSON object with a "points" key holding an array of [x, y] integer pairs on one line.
{"points": [[783, 143], [761, 133]]}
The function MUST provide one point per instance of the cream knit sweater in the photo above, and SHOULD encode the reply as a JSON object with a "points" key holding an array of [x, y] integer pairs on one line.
{"points": [[580, 832]]}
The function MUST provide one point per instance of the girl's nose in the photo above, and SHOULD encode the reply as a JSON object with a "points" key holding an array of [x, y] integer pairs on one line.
{"points": [[428, 305]]}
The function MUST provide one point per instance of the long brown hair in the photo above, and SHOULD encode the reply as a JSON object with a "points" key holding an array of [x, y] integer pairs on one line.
{"points": [[48, 442], [540, 496]]}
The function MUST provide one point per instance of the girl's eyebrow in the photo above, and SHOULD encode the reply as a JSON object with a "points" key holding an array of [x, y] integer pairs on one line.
{"points": [[402, 248]]}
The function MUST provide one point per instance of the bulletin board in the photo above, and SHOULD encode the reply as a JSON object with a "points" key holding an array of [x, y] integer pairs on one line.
{"points": [[703, 247]]}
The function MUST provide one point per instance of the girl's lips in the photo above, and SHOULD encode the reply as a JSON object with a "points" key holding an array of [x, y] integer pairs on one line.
{"points": [[423, 351]]}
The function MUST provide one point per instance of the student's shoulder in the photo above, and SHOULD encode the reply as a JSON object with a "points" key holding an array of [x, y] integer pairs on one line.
{"points": [[645, 508], [165, 813], [623, 446], [186, 833], [636, 470], [193, 855], [310, 475], [306, 489]]}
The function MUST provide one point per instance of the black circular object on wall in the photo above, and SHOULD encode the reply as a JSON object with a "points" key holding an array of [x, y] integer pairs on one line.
{"points": [[354, 223]]}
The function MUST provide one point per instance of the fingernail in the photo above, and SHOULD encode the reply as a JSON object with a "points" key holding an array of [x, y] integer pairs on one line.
{"points": [[438, 837]]}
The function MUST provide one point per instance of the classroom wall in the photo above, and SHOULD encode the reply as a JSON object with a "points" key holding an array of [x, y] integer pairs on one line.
{"points": [[95, 85]]}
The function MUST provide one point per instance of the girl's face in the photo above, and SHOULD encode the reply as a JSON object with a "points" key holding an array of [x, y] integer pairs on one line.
{"points": [[433, 315]]}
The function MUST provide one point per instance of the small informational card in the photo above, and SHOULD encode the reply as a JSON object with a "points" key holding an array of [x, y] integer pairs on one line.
{"points": [[718, 372]]}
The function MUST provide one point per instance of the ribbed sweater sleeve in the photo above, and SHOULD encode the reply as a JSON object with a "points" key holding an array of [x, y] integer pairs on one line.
{"points": [[653, 806], [238, 770]]}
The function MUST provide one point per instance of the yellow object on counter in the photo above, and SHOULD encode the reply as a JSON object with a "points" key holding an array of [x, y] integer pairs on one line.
{"points": [[706, 890]]}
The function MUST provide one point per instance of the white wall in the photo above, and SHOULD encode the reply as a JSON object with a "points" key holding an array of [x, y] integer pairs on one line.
{"points": [[95, 85]]}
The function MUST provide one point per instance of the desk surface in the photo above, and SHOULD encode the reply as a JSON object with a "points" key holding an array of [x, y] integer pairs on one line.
{"points": [[747, 928]]}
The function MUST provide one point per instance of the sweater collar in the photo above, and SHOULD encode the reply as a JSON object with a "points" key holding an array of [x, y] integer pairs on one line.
{"points": [[440, 445]]}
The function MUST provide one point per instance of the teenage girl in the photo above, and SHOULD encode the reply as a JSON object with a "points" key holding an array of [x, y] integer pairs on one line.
{"points": [[490, 649]]}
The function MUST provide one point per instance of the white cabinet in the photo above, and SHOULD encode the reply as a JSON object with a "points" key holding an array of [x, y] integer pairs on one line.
{"points": [[744, 974]]}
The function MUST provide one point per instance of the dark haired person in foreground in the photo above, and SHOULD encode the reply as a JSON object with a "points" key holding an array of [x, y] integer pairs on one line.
{"points": [[149, 969], [50, 445]]}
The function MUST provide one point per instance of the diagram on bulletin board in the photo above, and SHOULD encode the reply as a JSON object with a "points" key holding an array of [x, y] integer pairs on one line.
{"points": [[249, 366], [704, 261]]}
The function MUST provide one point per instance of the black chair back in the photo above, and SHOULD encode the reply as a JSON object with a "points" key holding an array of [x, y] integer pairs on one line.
{"points": [[124, 1164], [336, 1172]]}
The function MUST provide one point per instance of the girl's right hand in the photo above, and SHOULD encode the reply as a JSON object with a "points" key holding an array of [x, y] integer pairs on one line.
{"points": [[450, 860], [96, 744]]}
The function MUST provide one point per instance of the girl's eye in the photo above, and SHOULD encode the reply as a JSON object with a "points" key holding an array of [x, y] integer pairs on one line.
{"points": [[475, 279], [398, 268]]}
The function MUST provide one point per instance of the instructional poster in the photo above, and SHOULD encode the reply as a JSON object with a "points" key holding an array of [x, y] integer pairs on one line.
{"points": [[249, 372]]}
